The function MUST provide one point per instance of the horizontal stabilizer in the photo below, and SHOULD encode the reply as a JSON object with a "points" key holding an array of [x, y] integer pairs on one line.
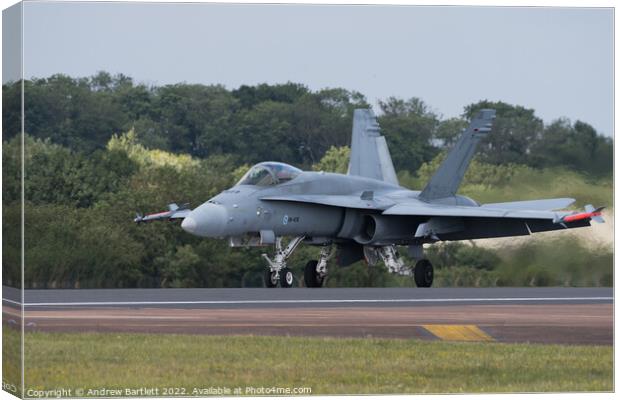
{"points": [[543, 204]]}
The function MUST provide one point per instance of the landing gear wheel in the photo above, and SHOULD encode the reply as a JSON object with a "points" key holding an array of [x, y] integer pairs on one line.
{"points": [[311, 277], [423, 273], [286, 278], [270, 278]]}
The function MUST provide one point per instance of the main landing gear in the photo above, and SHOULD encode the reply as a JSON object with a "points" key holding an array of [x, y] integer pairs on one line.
{"points": [[277, 272], [422, 272], [315, 271]]}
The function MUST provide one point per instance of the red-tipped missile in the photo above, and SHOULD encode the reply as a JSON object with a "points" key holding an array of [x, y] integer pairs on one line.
{"points": [[589, 214]]}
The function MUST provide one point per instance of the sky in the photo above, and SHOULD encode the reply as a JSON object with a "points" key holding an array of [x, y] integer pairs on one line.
{"points": [[558, 61]]}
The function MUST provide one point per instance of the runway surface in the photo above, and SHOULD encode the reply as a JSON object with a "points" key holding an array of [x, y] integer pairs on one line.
{"points": [[540, 315]]}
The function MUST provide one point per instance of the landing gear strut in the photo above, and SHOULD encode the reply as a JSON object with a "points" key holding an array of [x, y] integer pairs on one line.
{"points": [[315, 271], [278, 271], [422, 272], [392, 260]]}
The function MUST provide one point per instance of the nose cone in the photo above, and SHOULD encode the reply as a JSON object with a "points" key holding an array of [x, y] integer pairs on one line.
{"points": [[189, 224], [208, 220]]}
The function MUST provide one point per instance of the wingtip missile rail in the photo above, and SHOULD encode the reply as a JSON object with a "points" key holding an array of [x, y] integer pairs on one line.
{"points": [[174, 212], [590, 213]]}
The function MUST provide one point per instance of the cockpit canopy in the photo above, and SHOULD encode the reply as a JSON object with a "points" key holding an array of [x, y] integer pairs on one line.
{"points": [[269, 173]]}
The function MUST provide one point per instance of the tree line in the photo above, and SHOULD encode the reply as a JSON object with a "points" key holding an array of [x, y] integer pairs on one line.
{"points": [[287, 122]]}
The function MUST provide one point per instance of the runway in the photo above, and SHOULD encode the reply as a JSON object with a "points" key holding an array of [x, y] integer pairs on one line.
{"points": [[538, 315]]}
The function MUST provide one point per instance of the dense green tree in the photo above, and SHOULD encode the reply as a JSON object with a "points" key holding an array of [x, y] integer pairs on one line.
{"points": [[576, 146], [409, 127], [286, 122], [11, 171], [515, 131], [449, 130], [323, 120], [11, 244], [56, 175], [195, 118], [265, 133], [11, 109], [250, 96], [163, 178], [336, 159], [69, 247], [71, 112]]}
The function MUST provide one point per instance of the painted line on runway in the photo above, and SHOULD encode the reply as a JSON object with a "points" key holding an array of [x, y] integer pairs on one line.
{"points": [[310, 301], [461, 333]]}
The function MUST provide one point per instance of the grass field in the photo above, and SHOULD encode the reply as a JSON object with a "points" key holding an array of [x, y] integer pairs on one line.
{"points": [[11, 359], [326, 365]]}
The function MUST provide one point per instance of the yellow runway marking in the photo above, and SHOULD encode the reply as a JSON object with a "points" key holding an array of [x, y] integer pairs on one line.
{"points": [[469, 333]]}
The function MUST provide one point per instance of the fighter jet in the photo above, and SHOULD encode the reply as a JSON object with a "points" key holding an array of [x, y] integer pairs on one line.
{"points": [[365, 214]]}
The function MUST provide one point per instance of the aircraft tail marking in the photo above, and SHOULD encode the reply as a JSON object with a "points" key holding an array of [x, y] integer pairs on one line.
{"points": [[448, 177], [370, 156]]}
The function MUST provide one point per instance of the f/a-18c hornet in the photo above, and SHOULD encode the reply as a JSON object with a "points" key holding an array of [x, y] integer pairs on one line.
{"points": [[365, 213]]}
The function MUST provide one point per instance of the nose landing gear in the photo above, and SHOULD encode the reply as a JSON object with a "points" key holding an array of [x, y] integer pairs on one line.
{"points": [[271, 278], [278, 271], [286, 278]]}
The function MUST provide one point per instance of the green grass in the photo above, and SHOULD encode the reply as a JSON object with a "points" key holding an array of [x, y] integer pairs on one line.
{"points": [[11, 358], [327, 365]]}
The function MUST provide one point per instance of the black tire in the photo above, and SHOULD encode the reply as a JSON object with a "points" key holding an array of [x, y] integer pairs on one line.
{"points": [[286, 278], [268, 278], [311, 277], [423, 273]]}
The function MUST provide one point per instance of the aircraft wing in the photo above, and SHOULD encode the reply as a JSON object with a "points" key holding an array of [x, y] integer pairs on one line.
{"points": [[545, 204], [511, 210], [438, 210], [532, 209], [347, 201]]}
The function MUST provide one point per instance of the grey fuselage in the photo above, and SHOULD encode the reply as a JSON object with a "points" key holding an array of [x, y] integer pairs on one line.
{"points": [[240, 211]]}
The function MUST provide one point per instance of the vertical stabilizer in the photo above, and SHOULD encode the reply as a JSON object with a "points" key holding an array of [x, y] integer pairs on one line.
{"points": [[448, 177], [370, 156]]}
